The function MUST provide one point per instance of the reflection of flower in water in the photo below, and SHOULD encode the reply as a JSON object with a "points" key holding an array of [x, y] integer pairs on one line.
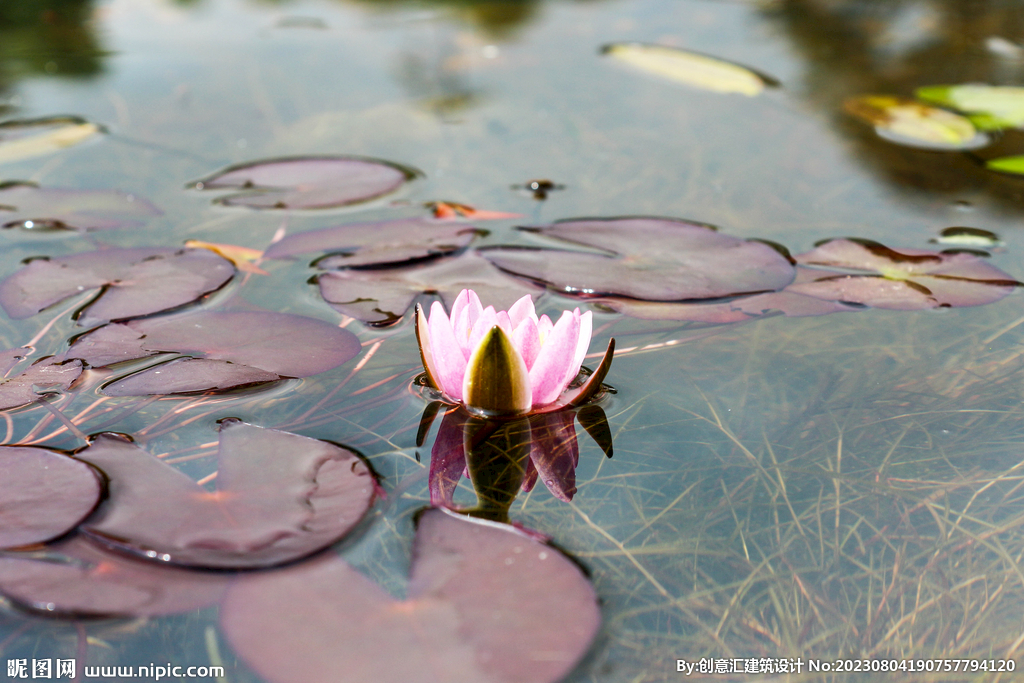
{"points": [[506, 362], [502, 457]]}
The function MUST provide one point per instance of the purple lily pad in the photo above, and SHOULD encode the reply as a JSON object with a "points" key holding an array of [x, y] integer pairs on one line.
{"points": [[189, 376], [382, 297], [382, 243], [279, 497], [26, 205], [486, 603], [655, 259], [133, 282], [314, 182], [10, 357], [81, 580], [48, 375], [909, 279], [716, 313], [235, 348], [43, 495]]}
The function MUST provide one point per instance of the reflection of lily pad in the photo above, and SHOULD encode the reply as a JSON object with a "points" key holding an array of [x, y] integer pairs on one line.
{"points": [[313, 182], [77, 578], [690, 68], [380, 243], [43, 495], [49, 375], [28, 138], [913, 124], [485, 603], [655, 259], [132, 282], [279, 497], [28, 206], [382, 297], [908, 279], [989, 107]]}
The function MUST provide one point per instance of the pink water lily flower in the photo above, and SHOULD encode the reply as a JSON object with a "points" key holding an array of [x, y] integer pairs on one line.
{"points": [[505, 362]]}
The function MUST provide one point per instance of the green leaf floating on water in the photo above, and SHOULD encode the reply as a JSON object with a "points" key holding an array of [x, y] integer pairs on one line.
{"points": [[989, 107], [1014, 164], [913, 124], [691, 68]]}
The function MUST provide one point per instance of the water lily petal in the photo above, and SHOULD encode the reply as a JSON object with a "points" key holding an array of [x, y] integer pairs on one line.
{"points": [[447, 460], [586, 330], [497, 381], [555, 452], [481, 327], [521, 310], [548, 374], [544, 326], [527, 340], [423, 340], [447, 354]]}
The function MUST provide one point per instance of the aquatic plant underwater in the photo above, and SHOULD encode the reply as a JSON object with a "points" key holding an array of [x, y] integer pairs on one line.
{"points": [[161, 471]]}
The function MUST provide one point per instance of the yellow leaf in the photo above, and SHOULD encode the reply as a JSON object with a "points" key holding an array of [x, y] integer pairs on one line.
{"points": [[26, 139], [690, 68], [244, 258]]}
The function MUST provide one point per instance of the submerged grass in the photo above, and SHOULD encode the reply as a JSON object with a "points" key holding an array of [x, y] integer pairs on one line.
{"points": [[843, 491]]}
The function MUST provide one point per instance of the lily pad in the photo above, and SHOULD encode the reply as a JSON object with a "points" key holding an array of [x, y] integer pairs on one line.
{"points": [[913, 124], [188, 376], [281, 343], [77, 579], [486, 603], [10, 357], [382, 243], [691, 68], [279, 497], [28, 138], [30, 207], [989, 107], [43, 495], [382, 297], [46, 376], [132, 282], [655, 259], [908, 279], [313, 182]]}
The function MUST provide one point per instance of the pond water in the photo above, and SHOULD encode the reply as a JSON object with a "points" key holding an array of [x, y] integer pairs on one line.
{"points": [[805, 488]]}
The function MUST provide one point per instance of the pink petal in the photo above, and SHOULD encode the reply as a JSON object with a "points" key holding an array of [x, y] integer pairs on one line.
{"points": [[460, 304], [448, 356], [504, 322], [526, 339], [544, 327], [521, 310], [483, 325], [423, 337], [548, 374], [586, 330], [462, 327]]}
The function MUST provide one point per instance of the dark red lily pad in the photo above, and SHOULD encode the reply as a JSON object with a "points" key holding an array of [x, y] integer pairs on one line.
{"points": [[382, 297], [28, 206], [655, 259], [486, 603], [78, 579], [908, 279], [43, 495], [314, 182], [46, 376], [382, 243], [282, 343], [279, 497], [132, 282]]}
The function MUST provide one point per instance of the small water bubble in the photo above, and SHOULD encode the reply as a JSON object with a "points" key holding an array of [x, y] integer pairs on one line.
{"points": [[509, 560], [51, 606], [490, 51], [543, 555]]}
